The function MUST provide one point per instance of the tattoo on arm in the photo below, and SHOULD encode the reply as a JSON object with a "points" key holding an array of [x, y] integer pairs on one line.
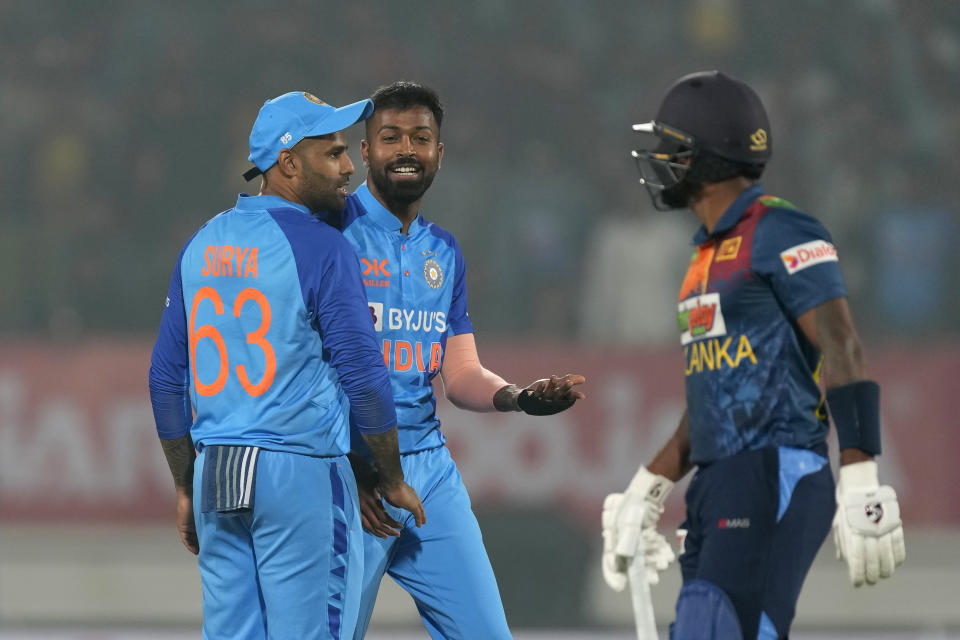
{"points": [[386, 456], [180, 455]]}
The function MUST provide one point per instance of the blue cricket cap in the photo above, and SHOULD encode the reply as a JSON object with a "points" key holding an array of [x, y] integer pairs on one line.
{"points": [[286, 120]]}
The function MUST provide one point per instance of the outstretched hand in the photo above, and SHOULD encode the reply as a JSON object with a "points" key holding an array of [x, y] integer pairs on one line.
{"points": [[550, 395]]}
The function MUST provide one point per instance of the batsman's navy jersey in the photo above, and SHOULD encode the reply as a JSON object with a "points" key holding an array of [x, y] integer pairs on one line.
{"points": [[417, 294], [267, 322], [751, 374]]}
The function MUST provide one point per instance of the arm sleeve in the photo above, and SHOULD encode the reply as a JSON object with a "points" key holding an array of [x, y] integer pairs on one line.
{"points": [[345, 324], [169, 362], [795, 253], [458, 320], [465, 382]]}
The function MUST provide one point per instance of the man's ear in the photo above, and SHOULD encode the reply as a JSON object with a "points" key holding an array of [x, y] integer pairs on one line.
{"points": [[288, 163], [365, 153], [439, 155]]}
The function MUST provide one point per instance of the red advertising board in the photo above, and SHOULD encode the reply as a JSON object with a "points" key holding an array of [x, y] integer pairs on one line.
{"points": [[77, 439]]}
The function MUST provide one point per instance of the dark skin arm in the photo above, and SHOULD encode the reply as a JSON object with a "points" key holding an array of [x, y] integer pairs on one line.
{"points": [[391, 484], [829, 327], [673, 459], [180, 455]]}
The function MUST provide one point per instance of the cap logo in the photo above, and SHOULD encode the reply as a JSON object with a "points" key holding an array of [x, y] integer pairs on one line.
{"points": [[285, 138], [759, 140], [314, 99]]}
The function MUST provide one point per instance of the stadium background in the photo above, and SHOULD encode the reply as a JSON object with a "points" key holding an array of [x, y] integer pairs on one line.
{"points": [[123, 127]]}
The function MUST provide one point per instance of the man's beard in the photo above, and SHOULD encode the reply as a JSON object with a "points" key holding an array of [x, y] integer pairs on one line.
{"points": [[322, 195], [401, 192]]}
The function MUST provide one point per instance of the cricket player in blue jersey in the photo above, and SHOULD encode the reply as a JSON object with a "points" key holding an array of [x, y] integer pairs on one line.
{"points": [[415, 280], [266, 338], [764, 321]]}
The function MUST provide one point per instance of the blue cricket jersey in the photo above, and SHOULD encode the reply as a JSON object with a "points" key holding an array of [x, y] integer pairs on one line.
{"points": [[417, 296], [751, 374], [267, 325]]}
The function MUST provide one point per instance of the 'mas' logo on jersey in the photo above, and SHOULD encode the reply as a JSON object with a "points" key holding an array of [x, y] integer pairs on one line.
{"points": [[700, 317], [808, 254]]}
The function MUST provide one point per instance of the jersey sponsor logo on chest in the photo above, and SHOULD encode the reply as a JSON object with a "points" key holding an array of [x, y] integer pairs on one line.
{"points": [[375, 272], [808, 254], [407, 319], [700, 317]]}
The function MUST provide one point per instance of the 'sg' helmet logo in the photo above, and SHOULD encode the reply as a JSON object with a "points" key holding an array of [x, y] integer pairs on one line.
{"points": [[759, 140]]}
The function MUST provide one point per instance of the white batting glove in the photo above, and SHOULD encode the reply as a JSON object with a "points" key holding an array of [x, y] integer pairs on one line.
{"points": [[630, 529], [867, 530]]}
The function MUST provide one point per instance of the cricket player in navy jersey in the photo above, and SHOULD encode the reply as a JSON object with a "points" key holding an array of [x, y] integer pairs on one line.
{"points": [[764, 321], [266, 338], [415, 280]]}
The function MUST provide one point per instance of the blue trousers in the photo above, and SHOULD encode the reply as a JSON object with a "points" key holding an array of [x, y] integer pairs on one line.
{"points": [[755, 522], [290, 567], [443, 565]]}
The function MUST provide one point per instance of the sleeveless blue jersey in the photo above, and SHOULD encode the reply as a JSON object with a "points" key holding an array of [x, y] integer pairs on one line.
{"points": [[751, 374], [417, 296], [267, 323]]}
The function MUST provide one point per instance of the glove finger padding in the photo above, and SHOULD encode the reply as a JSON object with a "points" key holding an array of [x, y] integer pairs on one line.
{"points": [[871, 560], [838, 536], [657, 555], [615, 578], [899, 547], [629, 528], [885, 555], [855, 560]]}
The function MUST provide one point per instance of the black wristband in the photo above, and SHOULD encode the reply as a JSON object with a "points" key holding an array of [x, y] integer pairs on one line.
{"points": [[855, 409]]}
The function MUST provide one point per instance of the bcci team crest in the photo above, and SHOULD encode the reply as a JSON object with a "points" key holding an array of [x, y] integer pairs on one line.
{"points": [[432, 273]]}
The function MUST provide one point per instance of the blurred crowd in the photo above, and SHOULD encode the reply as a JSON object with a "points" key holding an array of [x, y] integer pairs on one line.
{"points": [[124, 126]]}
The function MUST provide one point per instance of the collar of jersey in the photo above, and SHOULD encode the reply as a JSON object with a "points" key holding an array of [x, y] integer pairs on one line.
{"points": [[381, 215], [731, 215], [247, 203]]}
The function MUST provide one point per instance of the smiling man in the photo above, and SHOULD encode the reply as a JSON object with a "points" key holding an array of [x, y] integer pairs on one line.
{"points": [[415, 280]]}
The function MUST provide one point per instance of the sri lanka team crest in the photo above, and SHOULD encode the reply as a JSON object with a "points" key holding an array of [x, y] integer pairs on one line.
{"points": [[700, 317], [432, 273]]}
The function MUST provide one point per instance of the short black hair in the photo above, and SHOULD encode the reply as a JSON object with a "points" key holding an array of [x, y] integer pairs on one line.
{"points": [[404, 94]]}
